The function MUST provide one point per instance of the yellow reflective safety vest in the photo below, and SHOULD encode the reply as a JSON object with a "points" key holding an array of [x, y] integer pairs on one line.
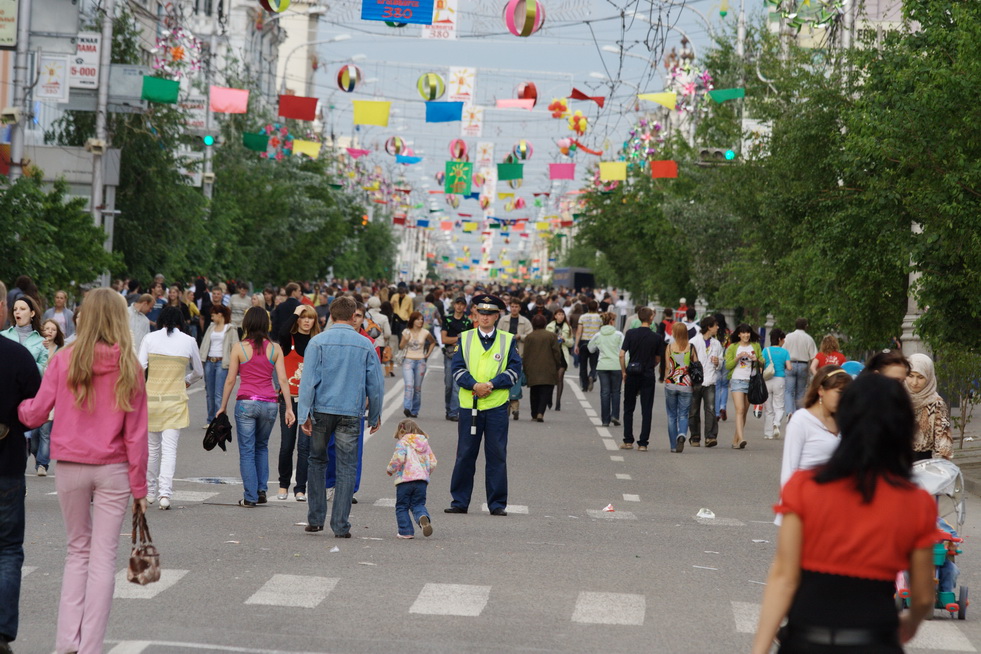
{"points": [[485, 365]]}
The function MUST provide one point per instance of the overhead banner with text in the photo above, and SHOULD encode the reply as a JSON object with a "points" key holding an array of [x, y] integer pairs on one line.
{"points": [[419, 12], [443, 23]]}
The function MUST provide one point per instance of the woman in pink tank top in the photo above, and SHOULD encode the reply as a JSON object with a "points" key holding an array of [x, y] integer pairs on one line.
{"points": [[255, 360]]}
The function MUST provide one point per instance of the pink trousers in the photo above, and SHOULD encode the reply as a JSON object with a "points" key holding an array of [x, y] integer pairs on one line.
{"points": [[93, 502]]}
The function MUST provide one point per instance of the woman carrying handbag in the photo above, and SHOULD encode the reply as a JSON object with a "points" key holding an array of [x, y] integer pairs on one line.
{"points": [[742, 355]]}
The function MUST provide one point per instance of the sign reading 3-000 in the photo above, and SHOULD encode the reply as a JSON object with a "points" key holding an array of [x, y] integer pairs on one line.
{"points": [[419, 12]]}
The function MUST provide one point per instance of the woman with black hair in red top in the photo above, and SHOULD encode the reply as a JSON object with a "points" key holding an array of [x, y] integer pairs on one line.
{"points": [[849, 527]]}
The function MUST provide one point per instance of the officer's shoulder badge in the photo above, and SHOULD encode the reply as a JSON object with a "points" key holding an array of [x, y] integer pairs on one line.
{"points": [[498, 357]]}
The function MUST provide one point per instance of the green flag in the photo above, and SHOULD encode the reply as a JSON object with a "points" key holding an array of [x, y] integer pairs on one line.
{"points": [[158, 89], [459, 177], [509, 171], [255, 142], [721, 95]]}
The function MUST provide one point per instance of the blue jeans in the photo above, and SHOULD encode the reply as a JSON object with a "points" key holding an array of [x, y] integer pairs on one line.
{"points": [[332, 460], [677, 403], [41, 445], [12, 519], [345, 430], [413, 372], [410, 496], [721, 393], [796, 386], [214, 385], [288, 442], [492, 428], [609, 395], [254, 422], [450, 389]]}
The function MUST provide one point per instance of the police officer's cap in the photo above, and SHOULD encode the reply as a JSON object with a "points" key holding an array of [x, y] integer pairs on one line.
{"points": [[488, 304]]}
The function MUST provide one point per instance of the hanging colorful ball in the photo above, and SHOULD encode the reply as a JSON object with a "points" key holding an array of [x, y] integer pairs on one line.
{"points": [[515, 183], [520, 203], [394, 24], [431, 86], [527, 91], [348, 78], [458, 149], [440, 177], [395, 145], [275, 6], [485, 202], [477, 180], [453, 201], [524, 17], [523, 150]]}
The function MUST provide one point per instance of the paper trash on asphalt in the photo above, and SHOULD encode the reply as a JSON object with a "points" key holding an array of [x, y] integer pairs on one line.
{"points": [[335, 548], [705, 513], [760, 540], [609, 508]]}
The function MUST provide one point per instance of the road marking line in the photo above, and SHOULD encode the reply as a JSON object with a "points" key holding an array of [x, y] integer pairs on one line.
{"points": [[623, 475], [610, 444], [604, 432], [610, 608], [294, 590], [746, 615], [388, 502], [720, 522], [191, 496], [591, 413], [26, 570], [627, 497], [131, 647], [184, 647], [596, 421], [127, 590], [585, 404], [610, 515], [511, 508], [451, 599], [616, 458]]}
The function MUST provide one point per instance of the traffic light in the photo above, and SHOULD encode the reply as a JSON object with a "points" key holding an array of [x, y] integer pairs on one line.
{"points": [[364, 220], [208, 139], [717, 155]]}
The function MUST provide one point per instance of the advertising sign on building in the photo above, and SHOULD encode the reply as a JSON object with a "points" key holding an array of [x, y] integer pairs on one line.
{"points": [[83, 72], [398, 11], [195, 110], [52, 82], [445, 19], [8, 24]]}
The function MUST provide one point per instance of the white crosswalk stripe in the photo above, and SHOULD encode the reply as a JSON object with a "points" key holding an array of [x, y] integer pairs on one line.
{"points": [[511, 508], [388, 502], [932, 634], [604, 432], [591, 413], [26, 570], [610, 608], [294, 590], [191, 496], [610, 444], [451, 599], [127, 590], [629, 497], [610, 515], [624, 476]]}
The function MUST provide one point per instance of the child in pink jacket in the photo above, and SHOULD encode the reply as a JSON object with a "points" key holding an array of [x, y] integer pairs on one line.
{"points": [[412, 464]]}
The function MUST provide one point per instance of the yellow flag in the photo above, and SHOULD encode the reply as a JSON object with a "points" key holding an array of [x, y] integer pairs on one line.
{"points": [[613, 171], [369, 112], [504, 196], [506, 262], [309, 148], [666, 99], [469, 227], [543, 226]]}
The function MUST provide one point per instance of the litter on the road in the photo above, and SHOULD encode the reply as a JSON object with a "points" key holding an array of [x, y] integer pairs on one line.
{"points": [[969, 438], [371, 538], [609, 508], [366, 563], [702, 567], [234, 542], [761, 583], [710, 552], [760, 540], [335, 548], [705, 513], [300, 524]]}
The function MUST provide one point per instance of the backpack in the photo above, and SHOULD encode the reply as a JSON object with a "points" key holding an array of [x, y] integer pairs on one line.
{"points": [[371, 326]]}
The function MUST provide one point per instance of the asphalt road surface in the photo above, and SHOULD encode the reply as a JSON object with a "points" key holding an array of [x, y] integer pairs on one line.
{"points": [[558, 574]]}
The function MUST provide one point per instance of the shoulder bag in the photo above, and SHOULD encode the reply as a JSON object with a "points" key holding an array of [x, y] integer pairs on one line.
{"points": [[144, 560], [769, 371], [757, 387], [695, 371]]}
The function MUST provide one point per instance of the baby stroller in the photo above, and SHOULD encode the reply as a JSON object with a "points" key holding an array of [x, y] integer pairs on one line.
{"points": [[943, 480]]}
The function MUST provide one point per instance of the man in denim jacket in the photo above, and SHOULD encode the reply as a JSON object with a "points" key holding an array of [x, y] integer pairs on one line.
{"points": [[340, 373]]}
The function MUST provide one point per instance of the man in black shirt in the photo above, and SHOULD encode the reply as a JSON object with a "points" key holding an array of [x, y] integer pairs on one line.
{"points": [[456, 324], [644, 347], [287, 307]]}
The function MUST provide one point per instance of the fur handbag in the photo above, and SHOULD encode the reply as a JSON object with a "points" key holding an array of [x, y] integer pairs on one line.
{"points": [[144, 560]]}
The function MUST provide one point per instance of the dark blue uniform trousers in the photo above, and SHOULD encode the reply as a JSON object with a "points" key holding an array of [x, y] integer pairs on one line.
{"points": [[492, 426]]}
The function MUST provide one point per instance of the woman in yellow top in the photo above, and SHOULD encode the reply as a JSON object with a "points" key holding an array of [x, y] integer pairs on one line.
{"points": [[742, 353]]}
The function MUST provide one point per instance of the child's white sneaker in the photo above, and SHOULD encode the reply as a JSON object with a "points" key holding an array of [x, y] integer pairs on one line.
{"points": [[405, 537], [427, 527]]}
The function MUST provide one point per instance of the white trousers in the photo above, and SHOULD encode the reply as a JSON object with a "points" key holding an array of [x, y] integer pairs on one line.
{"points": [[162, 461], [773, 409]]}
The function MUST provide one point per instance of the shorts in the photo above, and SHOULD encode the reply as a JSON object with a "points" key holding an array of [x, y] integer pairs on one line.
{"points": [[738, 385]]}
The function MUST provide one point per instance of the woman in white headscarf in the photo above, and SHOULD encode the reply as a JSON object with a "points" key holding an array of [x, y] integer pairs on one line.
{"points": [[933, 439]]}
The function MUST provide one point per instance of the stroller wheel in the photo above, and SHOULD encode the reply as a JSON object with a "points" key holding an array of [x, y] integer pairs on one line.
{"points": [[962, 603]]}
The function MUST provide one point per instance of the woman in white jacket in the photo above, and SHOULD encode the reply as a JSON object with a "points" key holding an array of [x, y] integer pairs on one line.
{"points": [[710, 353]]}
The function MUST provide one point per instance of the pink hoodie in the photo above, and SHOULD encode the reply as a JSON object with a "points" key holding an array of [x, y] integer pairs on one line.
{"points": [[413, 459], [99, 436]]}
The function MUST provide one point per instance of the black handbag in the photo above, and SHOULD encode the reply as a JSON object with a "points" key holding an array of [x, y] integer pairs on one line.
{"points": [[695, 371], [757, 386], [219, 431]]}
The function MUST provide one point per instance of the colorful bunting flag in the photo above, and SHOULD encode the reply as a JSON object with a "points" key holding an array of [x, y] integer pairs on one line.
{"points": [[255, 142], [515, 103], [613, 171], [444, 112], [371, 112], [664, 169], [459, 177], [506, 172], [356, 152], [579, 95], [403, 159], [309, 148], [158, 89], [562, 171], [667, 99], [229, 101], [297, 107], [721, 95]]}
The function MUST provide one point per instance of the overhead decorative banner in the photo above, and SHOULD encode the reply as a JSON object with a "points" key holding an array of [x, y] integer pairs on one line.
{"points": [[459, 176], [562, 171], [485, 153], [613, 171], [664, 169], [371, 112], [404, 159], [515, 103], [509, 171], [444, 112], [579, 95], [356, 152], [463, 82], [255, 142], [229, 101], [445, 18], [158, 89], [473, 121], [419, 12], [668, 99], [297, 107], [721, 95], [309, 148]]}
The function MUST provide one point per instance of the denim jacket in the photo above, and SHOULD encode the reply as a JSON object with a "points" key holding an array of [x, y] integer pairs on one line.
{"points": [[340, 370]]}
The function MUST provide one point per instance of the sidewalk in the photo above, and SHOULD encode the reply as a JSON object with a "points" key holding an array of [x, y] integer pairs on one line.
{"points": [[969, 458]]}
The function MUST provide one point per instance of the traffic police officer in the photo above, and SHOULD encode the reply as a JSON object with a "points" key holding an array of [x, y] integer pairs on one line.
{"points": [[485, 366]]}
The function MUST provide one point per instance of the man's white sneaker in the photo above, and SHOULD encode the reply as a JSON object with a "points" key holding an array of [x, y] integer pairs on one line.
{"points": [[42, 471], [164, 503]]}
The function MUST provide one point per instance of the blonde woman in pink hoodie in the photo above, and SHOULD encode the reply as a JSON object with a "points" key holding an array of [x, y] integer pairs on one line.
{"points": [[97, 390], [412, 464]]}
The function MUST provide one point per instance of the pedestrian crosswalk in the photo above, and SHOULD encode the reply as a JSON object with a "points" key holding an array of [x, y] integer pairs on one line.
{"points": [[940, 634], [294, 591], [451, 599]]}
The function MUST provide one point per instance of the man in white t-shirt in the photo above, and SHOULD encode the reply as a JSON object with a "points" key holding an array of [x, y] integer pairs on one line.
{"points": [[802, 349]]}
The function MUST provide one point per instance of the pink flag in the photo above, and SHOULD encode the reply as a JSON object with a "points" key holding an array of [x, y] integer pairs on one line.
{"points": [[561, 171], [355, 152], [513, 103], [229, 101]]}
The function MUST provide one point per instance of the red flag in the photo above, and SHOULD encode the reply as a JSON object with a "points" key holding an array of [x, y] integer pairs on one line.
{"points": [[582, 147], [579, 95], [300, 108], [398, 220], [665, 169]]}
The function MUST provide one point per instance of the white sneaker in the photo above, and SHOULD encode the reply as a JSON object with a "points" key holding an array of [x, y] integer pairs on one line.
{"points": [[767, 438], [205, 425], [150, 499], [164, 503], [330, 494], [776, 433], [42, 471]]}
